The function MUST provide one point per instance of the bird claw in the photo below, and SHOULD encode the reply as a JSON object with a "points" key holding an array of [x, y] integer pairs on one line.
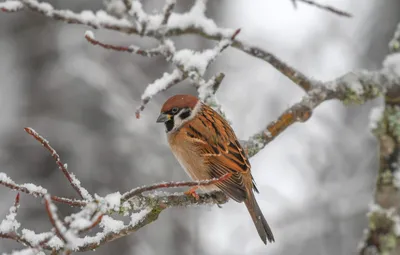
{"points": [[192, 192]]}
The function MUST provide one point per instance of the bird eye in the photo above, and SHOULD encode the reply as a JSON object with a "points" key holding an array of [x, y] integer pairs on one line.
{"points": [[174, 110]]}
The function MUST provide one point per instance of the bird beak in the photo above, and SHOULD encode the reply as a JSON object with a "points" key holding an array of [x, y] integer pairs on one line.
{"points": [[163, 118]]}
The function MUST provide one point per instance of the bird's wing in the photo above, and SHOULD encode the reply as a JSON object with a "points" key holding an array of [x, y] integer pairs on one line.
{"points": [[222, 153]]}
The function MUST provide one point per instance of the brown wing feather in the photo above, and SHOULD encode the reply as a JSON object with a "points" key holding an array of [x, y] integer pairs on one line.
{"points": [[222, 152]]}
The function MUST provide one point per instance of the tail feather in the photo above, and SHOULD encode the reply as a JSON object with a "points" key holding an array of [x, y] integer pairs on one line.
{"points": [[263, 229]]}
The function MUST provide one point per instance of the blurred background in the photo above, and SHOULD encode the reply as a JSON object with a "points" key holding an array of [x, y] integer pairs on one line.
{"points": [[316, 179]]}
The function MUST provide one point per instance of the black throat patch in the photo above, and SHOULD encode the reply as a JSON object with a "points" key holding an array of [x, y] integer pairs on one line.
{"points": [[169, 125]]}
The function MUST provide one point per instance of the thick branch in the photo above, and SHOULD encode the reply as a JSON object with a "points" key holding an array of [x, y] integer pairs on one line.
{"points": [[352, 88], [382, 235]]}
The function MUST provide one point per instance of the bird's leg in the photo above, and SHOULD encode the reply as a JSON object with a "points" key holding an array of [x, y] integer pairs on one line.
{"points": [[192, 192]]}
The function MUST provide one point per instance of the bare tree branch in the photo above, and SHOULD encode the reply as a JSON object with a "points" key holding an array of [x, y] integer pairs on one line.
{"points": [[89, 36], [98, 211], [75, 183], [324, 7], [352, 88]]}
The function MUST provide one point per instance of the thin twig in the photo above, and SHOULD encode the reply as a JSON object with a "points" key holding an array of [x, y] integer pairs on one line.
{"points": [[16, 203], [94, 224], [71, 178], [167, 10], [125, 26], [16, 238], [325, 7], [131, 49], [54, 219], [40, 193], [168, 80], [140, 190]]}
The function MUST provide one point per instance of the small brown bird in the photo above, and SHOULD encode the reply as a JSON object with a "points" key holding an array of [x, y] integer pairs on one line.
{"points": [[206, 147]]}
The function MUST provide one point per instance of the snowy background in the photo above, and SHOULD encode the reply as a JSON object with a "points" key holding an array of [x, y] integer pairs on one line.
{"points": [[316, 179]]}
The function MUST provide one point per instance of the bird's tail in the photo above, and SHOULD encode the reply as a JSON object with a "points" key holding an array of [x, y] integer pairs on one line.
{"points": [[260, 222]]}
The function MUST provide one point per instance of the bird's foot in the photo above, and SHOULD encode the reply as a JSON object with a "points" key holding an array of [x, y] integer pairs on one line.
{"points": [[192, 192]]}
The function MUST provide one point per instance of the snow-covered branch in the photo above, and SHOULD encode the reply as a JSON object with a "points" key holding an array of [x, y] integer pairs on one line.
{"points": [[382, 235], [164, 25], [143, 205], [75, 183], [352, 88], [140, 205]]}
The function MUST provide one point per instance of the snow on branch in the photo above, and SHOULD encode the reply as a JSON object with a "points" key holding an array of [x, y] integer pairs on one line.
{"points": [[10, 224], [75, 183], [163, 26], [352, 88], [382, 234], [141, 206], [11, 6]]}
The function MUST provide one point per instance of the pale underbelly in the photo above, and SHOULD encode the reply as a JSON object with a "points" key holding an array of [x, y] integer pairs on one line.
{"points": [[195, 169]]}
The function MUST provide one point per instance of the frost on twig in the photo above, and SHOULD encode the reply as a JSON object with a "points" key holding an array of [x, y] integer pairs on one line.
{"points": [[11, 6], [75, 183], [71, 233], [166, 24], [165, 82], [10, 225], [382, 234]]}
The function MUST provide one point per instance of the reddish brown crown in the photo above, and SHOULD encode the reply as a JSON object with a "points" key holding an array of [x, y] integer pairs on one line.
{"points": [[180, 101]]}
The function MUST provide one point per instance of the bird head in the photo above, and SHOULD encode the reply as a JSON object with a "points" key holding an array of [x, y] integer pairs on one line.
{"points": [[177, 110]]}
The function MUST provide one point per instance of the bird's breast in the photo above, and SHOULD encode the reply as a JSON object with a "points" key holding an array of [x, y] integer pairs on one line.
{"points": [[190, 159]]}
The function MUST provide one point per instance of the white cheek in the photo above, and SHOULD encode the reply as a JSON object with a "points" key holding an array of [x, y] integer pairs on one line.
{"points": [[177, 121]]}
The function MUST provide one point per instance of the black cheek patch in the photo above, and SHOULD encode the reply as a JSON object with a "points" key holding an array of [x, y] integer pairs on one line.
{"points": [[185, 114], [169, 124]]}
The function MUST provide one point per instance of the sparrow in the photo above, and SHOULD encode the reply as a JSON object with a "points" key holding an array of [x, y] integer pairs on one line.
{"points": [[206, 147]]}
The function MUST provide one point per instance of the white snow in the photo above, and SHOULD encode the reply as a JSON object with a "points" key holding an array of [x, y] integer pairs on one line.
{"points": [[34, 238], [194, 60], [100, 18], [137, 11], [10, 224], [195, 18], [85, 194], [396, 178], [33, 188], [161, 84], [80, 223], [11, 5], [392, 62], [375, 116], [354, 83], [111, 225], [43, 6], [5, 179], [55, 242], [89, 34], [113, 201], [139, 216]]}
